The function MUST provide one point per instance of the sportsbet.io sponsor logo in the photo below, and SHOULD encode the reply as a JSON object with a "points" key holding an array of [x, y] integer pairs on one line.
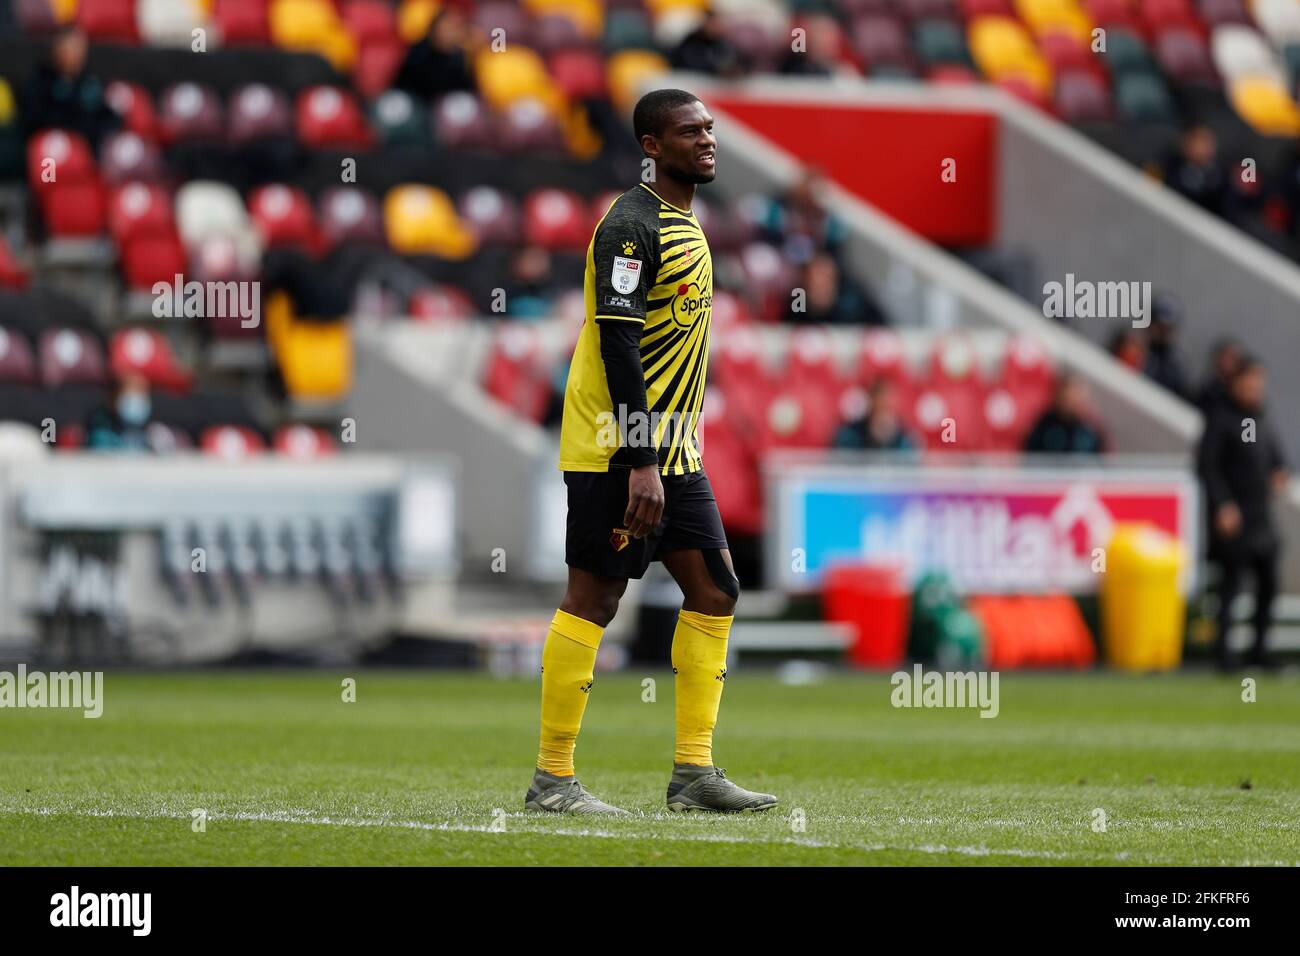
{"points": [[690, 304]]}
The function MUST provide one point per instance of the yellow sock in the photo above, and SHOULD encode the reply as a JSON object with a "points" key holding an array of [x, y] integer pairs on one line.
{"points": [[700, 663], [568, 660]]}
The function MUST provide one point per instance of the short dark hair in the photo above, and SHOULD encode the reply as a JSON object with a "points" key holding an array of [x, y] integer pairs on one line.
{"points": [[1249, 363], [651, 113]]}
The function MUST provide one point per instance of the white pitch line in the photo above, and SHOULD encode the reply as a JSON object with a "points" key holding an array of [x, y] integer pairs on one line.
{"points": [[307, 818]]}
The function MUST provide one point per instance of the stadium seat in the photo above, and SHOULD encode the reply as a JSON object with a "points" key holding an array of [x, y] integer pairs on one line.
{"points": [[1217, 12], [329, 118], [370, 21], [108, 21], [555, 219], [17, 362], [312, 26], [146, 352], [515, 374], [35, 17], [732, 466], [350, 214], [399, 120], [1081, 97], [422, 220], [882, 357], [493, 215], [578, 73], [128, 157], [149, 258], [304, 442], [241, 21], [190, 112], [376, 66], [169, 22], [442, 303], [461, 121], [515, 73], [1143, 98], [258, 111], [138, 209], [133, 104], [70, 357], [626, 72], [1240, 51], [283, 216], [231, 442], [58, 156], [205, 208], [75, 210], [1183, 55], [880, 41], [1266, 105]]}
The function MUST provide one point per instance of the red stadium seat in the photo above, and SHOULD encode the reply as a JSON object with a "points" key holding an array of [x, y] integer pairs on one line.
{"points": [[376, 66], [1082, 97], [132, 102], [75, 210], [732, 467], [304, 442], [881, 41], [516, 376], [231, 442], [1064, 51], [13, 274], [461, 121], [145, 352], [329, 118], [528, 126], [70, 357], [812, 370], [745, 380], [242, 21], [17, 363], [798, 416], [442, 303], [555, 219], [282, 216], [1160, 14], [882, 357], [57, 156], [150, 258], [578, 73], [370, 21], [111, 21], [35, 17], [1184, 56], [139, 209], [985, 8], [949, 418], [1219, 12]]}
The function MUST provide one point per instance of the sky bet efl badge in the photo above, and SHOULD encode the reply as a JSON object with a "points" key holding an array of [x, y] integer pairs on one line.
{"points": [[626, 275]]}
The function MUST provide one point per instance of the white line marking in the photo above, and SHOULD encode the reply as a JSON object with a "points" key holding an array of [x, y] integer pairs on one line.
{"points": [[308, 818]]}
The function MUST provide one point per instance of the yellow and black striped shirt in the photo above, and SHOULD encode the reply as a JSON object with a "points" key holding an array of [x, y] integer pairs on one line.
{"points": [[648, 263]]}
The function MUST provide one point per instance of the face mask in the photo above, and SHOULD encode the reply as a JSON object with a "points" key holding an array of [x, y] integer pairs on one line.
{"points": [[133, 408]]}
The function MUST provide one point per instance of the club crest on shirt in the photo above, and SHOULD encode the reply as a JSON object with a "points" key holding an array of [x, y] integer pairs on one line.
{"points": [[626, 274], [620, 538]]}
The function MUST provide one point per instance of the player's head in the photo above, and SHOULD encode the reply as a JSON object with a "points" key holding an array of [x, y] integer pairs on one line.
{"points": [[1248, 383], [676, 131]]}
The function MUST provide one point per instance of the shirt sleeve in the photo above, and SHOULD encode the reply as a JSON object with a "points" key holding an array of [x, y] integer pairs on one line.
{"points": [[620, 349], [625, 257]]}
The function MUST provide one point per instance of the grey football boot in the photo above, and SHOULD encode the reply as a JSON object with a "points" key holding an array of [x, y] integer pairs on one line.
{"points": [[565, 795], [695, 788]]}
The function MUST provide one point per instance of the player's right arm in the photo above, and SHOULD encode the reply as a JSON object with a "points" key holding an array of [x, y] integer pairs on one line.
{"points": [[625, 259]]}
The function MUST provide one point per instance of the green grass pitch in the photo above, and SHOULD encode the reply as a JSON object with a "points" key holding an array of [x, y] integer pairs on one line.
{"points": [[430, 768]]}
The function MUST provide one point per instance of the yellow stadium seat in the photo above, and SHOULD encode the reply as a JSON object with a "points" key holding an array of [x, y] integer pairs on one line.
{"points": [[7, 108], [627, 71], [1265, 104], [515, 73], [414, 17], [65, 11], [660, 7], [315, 360], [279, 317], [312, 26], [421, 220], [1002, 48]]}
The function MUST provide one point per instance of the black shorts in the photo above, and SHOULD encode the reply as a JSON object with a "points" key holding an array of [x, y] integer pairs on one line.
{"points": [[595, 539]]}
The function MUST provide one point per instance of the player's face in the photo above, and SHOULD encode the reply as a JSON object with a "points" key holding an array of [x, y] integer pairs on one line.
{"points": [[687, 148]]}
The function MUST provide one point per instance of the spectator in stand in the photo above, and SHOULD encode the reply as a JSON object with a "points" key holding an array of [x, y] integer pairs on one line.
{"points": [[798, 221], [881, 429], [62, 93], [1196, 171], [706, 49], [831, 298], [1162, 363], [1241, 467], [439, 63], [1225, 360], [1066, 428], [1129, 349], [820, 52], [532, 286], [123, 424]]}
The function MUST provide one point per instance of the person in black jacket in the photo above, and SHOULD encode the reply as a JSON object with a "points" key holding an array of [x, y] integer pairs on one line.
{"points": [[1064, 428], [438, 63], [1225, 359], [61, 93], [1241, 467]]}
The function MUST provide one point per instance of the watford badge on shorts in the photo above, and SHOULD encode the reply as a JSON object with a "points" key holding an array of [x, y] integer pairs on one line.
{"points": [[620, 539]]}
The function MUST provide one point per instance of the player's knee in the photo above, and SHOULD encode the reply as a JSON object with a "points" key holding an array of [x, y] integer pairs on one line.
{"points": [[723, 588], [598, 608]]}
